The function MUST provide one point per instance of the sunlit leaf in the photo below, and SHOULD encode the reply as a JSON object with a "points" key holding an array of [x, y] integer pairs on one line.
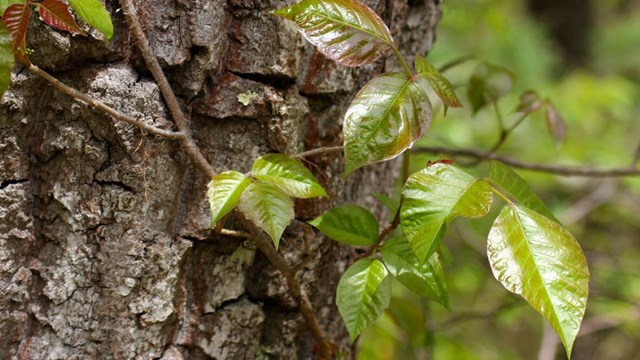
{"points": [[224, 193], [7, 60], [538, 259], [517, 188], [94, 14], [434, 196], [555, 124], [362, 295], [288, 174], [268, 207], [346, 31], [439, 83], [56, 14], [384, 119], [16, 19], [426, 280], [487, 84], [348, 224]]}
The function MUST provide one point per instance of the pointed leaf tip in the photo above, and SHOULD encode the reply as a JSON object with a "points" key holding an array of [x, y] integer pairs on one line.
{"points": [[288, 174], [439, 83], [224, 193], [349, 224]]}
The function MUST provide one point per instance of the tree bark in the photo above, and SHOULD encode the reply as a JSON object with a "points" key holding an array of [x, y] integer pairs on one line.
{"points": [[105, 251]]}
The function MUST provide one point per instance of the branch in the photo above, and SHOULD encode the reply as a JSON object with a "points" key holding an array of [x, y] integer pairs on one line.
{"points": [[262, 242], [551, 169], [102, 107]]}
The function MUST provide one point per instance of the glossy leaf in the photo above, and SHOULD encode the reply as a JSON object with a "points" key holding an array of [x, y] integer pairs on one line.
{"points": [[288, 174], [224, 193], [7, 60], [348, 224], [555, 124], [56, 14], [16, 19], [94, 14], [433, 197], [439, 83], [538, 259], [517, 188], [345, 31], [426, 280], [362, 295], [268, 207], [384, 119], [487, 84]]}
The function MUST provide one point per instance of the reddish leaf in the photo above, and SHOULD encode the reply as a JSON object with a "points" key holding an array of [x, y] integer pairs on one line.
{"points": [[529, 102], [16, 19], [555, 124], [441, 161], [56, 14]]}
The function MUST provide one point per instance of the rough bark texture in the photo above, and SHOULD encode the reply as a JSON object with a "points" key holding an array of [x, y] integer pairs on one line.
{"points": [[104, 247]]}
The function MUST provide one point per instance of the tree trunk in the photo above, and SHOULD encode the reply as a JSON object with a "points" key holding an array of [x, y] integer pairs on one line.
{"points": [[105, 251]]}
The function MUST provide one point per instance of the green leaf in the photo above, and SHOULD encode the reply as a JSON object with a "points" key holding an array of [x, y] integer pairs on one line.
{"points": [[4, 4], [432, 198], [426, 280], [7, 60], [439, 83], [363, 293], [538, 259], [268, 207], [345, 31], [487, 84], [94, 14], [517, 188], [224, 193], [391, 204], [388, 114], [288, 174], [349, 224]]}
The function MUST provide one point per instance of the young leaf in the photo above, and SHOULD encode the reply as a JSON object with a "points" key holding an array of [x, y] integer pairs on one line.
{"points": [[94, 14], [224, 193], [426, 280], [7, 60], [538, 259], [362, 295], [345, 31], [529, 102], [268, 207], [349, 224], [439, 83], [388, 114], [16, 18], [288, 174], [516, 187], [433, 197], [56, 14], [555, 124]]}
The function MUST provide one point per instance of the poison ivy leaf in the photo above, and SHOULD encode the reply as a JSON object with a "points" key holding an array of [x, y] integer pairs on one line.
{"points": [[224, 193], [538, 259], [362, 295], [16, 18], [56, 14], [555, 124], [268, 207], [7, 60], [349, 224], [529, 102], [517, 188], [288, 174], [94, 14], [384, 119], [345, 31], [487, 84], [434, 196], [426, 280], [439, 83]]}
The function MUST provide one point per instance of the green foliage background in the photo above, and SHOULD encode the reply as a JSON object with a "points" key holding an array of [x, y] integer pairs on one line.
{"points": [[601, 105]]}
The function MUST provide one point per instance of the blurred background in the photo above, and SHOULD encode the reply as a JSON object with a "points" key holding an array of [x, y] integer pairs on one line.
{"points": [[584, 57]]}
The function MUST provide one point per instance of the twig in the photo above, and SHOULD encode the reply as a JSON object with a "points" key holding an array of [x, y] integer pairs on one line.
{"points": [[102, 107], [551, 169], [318, 151], [262, 241]]}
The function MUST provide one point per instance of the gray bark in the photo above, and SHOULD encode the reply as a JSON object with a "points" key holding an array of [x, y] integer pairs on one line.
{"points": [[105, 251]]}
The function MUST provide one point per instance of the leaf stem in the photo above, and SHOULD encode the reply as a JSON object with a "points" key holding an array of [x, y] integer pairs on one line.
{"points": [[406, 67], [499, 193]]}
